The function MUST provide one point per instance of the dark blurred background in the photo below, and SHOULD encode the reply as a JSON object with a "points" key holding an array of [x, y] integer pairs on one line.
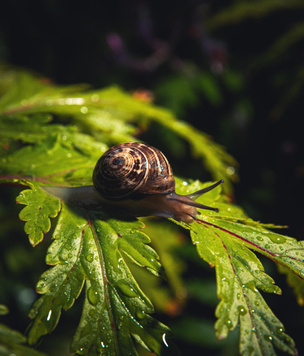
{"points": [[233, 69]]}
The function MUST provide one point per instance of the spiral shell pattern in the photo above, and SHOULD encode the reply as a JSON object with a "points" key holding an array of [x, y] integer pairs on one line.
{"points": [[132, 170]]}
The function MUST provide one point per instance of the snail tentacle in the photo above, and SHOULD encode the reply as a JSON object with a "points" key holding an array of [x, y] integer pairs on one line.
{"points": [[200, 192]]}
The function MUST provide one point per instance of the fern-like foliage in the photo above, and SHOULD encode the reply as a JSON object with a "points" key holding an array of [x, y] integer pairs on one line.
{"points": [[13, 342], [92, 250]]}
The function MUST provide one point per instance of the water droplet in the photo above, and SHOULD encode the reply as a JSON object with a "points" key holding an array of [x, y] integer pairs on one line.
{"points": [[81, 351], [268, 338], [280, 330], [93, 296], [229, 324], [90, 257], [126, 289], [140, 314], [225, 280], [241, 310], [230, 170], [48, 318], [250, 285], [277, 239], [84, 110], [103, 345], [164, 340], [92, 312], [40, 286]]}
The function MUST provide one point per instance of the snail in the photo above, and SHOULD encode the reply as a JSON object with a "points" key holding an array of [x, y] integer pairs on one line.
{"points": [[137, 179]]}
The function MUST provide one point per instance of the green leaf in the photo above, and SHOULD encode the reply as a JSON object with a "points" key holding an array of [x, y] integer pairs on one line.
{"points": [[64, 157], [166, 240], [90, 248], [223, 240], [11, 341], [23, 128], [37, 213], [239, 276]]}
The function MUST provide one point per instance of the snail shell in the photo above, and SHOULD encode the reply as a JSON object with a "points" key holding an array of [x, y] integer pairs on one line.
{"points": [[132, 170], [137, 179]]}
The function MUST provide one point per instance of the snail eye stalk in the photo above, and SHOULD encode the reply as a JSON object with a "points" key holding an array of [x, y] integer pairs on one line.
{"points": [[196, 195], [190, 198]]}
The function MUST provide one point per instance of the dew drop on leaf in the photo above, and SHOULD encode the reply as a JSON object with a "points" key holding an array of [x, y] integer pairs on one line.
{"points": [[225, 280], [40, 287], [140, 314], [242, 310], [164, 340], [126, 289], [92, 312], [277, 239], [90, 257], [268, 338], [229, 324], [103, 345], [81, 351], [260, 238], [93, 296], [48, 318], [280, 330], [84, 110]]}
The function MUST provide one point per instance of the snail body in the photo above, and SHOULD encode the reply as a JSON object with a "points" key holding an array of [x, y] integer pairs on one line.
{"points": [[138, 179]]}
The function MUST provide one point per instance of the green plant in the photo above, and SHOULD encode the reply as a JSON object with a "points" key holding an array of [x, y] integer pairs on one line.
{"points": [[53, 135]]}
